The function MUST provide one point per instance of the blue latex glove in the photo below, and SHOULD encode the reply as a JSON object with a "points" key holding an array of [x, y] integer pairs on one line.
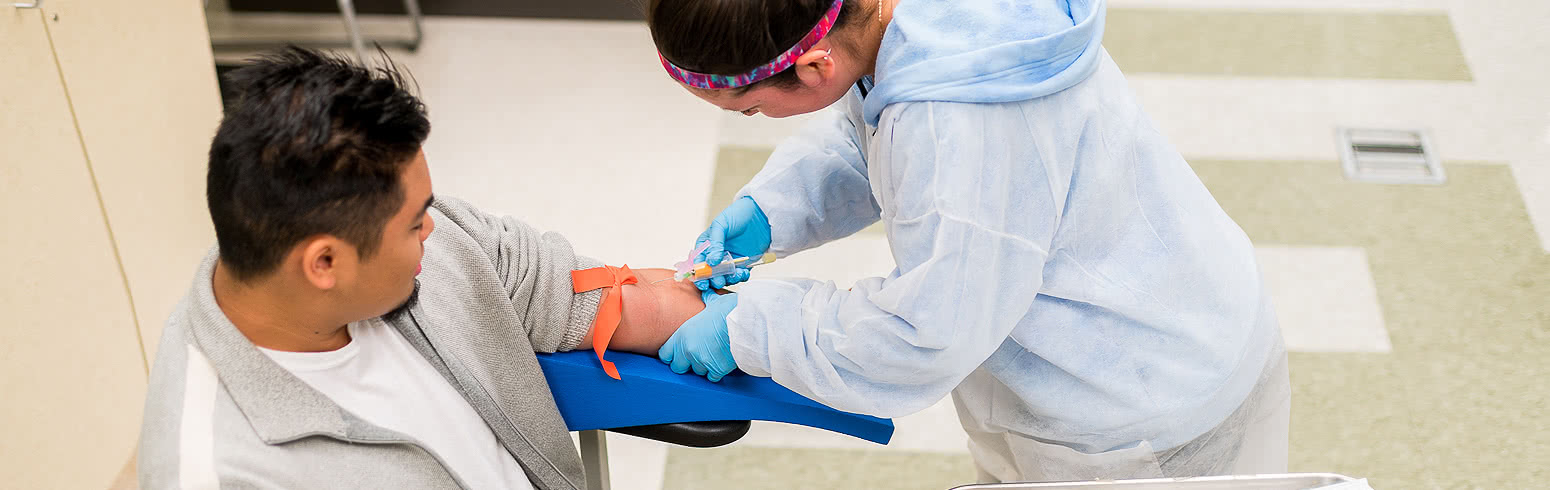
{"points": [[702, 343], [740, 229]]}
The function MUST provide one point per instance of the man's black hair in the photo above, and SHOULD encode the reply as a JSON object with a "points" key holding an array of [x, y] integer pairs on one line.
{"points": [[314, 144]]}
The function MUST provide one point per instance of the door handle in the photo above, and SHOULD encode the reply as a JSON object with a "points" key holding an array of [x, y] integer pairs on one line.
{"points": [[33, 5]]}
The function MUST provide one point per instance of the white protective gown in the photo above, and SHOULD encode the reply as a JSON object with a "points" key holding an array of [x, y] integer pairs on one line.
{"points": [[1060, 268]]}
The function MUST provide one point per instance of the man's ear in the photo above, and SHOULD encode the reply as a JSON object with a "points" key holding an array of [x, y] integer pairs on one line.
{"points": [[323, 259], [814, 67]]}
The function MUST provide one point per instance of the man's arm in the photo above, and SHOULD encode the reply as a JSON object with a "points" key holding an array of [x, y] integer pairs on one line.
{"points": [[652, 312], [535, 269]]}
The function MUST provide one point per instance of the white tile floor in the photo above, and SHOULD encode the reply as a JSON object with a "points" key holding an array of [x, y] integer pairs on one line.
{"points": [[571, 127], [1325, 298], [635, 463]]}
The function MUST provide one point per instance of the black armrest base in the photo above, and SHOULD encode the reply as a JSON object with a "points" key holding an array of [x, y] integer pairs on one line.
{"points": [[691, 434]]}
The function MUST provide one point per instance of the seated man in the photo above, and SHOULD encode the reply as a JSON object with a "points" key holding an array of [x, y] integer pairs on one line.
{"points": [[314, 351]]}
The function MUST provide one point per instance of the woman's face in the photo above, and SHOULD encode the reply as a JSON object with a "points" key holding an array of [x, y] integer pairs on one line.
{"points": [[776, 102]]}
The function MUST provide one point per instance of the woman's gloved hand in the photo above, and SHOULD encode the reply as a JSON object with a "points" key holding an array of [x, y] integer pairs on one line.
{"points": [[741, 229], [702, 343]]}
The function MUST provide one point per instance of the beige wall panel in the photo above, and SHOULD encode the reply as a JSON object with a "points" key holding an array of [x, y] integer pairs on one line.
{"points": [[71, 376], [143, 84]]}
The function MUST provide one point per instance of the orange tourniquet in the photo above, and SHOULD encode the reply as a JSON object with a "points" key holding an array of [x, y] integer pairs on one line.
{"points": [[612, 306]]}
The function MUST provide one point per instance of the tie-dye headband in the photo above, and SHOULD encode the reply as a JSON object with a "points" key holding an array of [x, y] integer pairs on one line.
{"points": [[781, 63]]}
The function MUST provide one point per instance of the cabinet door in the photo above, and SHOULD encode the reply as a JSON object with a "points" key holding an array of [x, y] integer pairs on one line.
{"points": [[72, 379], [142, 80]]}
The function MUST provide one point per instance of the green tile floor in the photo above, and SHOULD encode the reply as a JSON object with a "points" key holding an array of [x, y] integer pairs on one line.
{"points": [[1286, 43], [757, 468], [1465, 294]]}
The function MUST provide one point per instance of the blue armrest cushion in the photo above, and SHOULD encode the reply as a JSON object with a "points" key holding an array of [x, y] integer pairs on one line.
{"points": [[651, 393]]}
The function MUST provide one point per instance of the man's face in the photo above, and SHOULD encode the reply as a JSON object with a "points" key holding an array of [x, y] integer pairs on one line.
{"points": [[386, 281]]}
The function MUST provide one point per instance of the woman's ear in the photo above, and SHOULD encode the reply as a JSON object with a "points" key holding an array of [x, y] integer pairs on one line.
{"points": [[815, 67]]}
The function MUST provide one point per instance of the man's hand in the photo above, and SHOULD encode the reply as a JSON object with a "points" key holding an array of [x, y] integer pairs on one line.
{"points": [[652, 312]]}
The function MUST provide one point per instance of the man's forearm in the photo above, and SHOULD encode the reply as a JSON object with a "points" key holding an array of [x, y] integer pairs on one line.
{"points": [[652, 311]]}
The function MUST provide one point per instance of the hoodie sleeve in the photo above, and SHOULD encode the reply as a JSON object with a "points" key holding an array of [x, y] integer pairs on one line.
{"points": [[535, 269], [814, 188], [970, 229]]}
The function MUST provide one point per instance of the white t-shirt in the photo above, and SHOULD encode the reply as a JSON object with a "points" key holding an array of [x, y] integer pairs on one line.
{"points": [[379, 377]]}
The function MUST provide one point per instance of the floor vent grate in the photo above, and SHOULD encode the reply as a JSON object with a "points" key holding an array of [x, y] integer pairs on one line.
{"points": [[1389, 156]]}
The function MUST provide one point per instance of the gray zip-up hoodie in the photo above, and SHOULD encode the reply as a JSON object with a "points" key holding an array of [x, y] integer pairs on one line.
{"points": [[492, 290]]}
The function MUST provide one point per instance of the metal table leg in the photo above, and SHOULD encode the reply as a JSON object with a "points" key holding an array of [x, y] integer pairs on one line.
{"points": [[413, 8], [594, 458], [355, 38], [347, 10]]}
